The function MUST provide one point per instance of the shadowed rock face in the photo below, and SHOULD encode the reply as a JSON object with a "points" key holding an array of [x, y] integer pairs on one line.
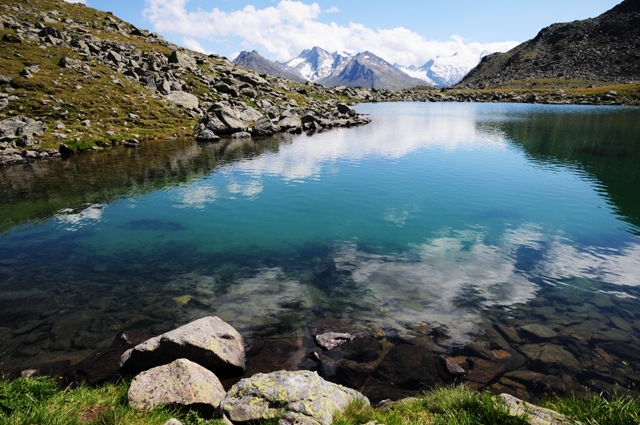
{"points": [[603, 48], [209, 341]]}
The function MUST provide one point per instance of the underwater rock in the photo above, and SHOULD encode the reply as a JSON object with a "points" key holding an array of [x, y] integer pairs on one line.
{"points": [[539, 332], [181, 383], [552, 359], [210, 342], [331, 340], [101, 366], [412, 367], [306, 397]]}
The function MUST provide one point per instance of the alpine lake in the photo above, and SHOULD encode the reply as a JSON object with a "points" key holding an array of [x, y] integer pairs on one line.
{"points": [[503, 236]]}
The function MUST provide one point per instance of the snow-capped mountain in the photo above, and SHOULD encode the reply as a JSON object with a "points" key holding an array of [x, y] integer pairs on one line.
{"points": [[444, 71], [368, 70], [316, 63], [363, 69]]}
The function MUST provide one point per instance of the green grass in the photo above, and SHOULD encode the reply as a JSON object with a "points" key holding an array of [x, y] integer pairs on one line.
{"points": [[444, 406], [598, 410], [44, 401]]}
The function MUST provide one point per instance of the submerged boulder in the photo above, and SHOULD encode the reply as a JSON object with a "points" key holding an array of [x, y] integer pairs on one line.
{"points": [[305, 397], [210, 342], [181, 383]]}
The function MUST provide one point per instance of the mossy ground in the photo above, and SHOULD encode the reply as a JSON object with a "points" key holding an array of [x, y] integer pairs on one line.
{"points": [[571, 88], [44, 401]]}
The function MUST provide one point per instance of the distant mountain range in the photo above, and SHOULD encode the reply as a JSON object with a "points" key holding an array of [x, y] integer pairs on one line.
{"points": [[253, 60], [605, 48], [443, 71], [362, 69]]}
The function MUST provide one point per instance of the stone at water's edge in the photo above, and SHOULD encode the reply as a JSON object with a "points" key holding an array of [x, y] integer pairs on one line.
{"points": [[536, 415], [306, 397], [209, 341], [181, 383]]}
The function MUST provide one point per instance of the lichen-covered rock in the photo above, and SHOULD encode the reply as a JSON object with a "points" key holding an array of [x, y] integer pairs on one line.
{"points": [[536, 415], [305, 396], [210, 342], [181, 383]]}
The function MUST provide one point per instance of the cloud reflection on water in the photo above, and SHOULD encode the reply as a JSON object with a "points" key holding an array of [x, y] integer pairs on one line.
{"points": [[389, 140], [71, 220]]}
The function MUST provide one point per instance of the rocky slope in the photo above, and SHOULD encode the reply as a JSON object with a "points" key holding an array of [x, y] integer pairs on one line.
{"points": [[74, 79], [606, 48]]}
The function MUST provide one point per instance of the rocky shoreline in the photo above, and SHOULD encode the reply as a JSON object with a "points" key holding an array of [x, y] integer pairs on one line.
{"points": [[75, 79], [587, 342], [186, 368]]}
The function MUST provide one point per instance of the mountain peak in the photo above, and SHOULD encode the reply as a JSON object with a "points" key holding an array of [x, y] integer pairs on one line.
{"points": [[603, 48], [253, 60]]}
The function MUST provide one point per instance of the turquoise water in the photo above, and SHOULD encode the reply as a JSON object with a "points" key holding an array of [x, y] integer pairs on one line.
{"points": [[383, 226]]}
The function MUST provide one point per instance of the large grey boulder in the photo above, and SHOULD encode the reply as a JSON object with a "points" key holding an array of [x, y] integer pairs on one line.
{"points": [[20, 125], [264, 127], [305, 397], [182, 59], [222, 118], [249, 77], [181, 383], [290, 122], [184, 99], [209, 341]]}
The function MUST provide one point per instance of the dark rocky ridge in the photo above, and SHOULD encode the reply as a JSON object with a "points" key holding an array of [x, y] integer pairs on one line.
{"points": [[254, 61], [606, 48]]}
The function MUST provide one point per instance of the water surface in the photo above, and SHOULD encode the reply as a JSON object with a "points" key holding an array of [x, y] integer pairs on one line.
{"points": [[445, 215]]}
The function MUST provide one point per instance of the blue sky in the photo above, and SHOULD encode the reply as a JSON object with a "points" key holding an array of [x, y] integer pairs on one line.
{"points": [[407, 32]]}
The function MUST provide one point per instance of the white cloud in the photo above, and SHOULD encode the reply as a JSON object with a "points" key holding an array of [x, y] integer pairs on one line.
{"points": [[332, 9], [284, 30], [76, 1], [193, 44]]}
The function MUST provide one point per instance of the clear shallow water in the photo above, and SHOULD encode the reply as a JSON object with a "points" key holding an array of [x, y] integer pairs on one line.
{"points": [[438, 214]]}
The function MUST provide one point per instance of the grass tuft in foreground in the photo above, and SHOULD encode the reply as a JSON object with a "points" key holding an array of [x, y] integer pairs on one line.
{"points": [[42, 400], [444, 406], [598, 410]]}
